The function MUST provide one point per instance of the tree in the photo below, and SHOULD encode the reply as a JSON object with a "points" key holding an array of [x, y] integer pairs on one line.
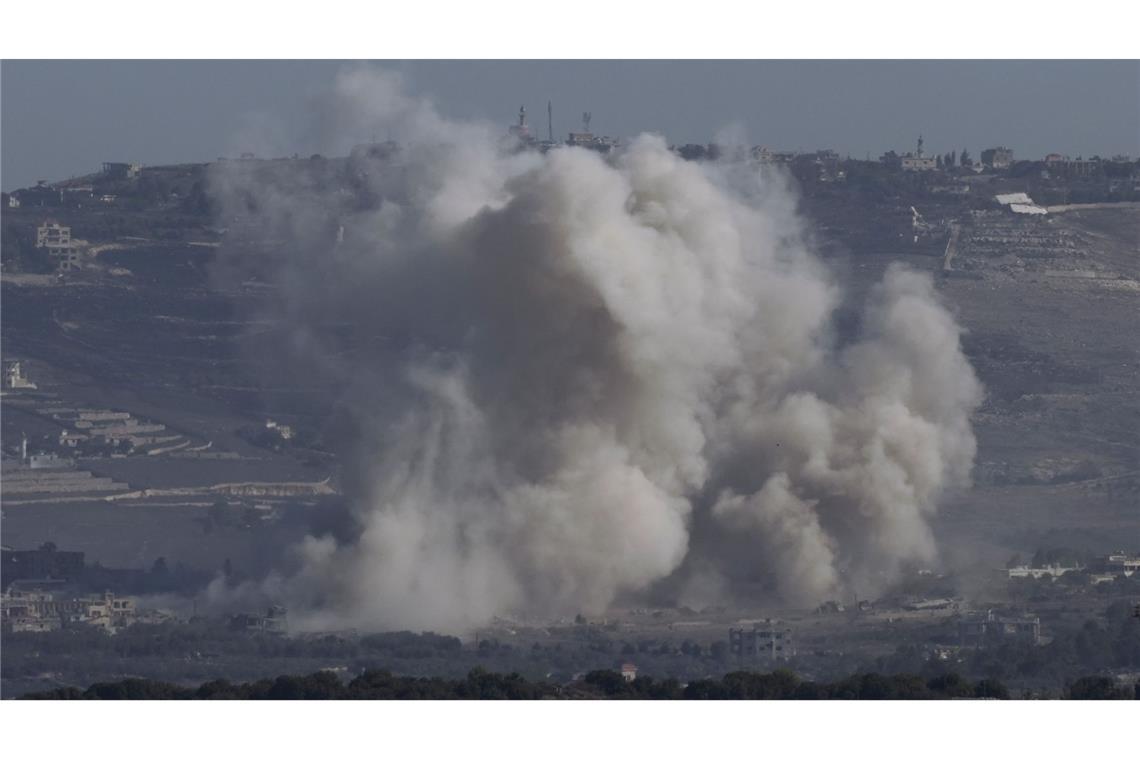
{"points": [[949, 686], [991, 689], [1095, 687], [609, 682]]}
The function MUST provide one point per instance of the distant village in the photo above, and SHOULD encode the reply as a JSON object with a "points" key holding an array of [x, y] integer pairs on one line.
{"points": [[115, 203]]}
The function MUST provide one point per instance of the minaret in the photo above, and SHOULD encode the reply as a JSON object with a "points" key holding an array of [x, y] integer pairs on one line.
{"points": [[522, 118], [920, 146], [550, 121]]}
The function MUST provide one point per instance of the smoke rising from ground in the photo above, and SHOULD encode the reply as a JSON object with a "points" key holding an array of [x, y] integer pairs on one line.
{"points": [[573, 377]]}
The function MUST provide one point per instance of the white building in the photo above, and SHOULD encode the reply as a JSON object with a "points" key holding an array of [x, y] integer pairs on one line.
{"points": [[1122, 564], [1020, 203], [14, 376], [913, 163], [919, 161], [285, 431], [1052, 571], [34, 608], [56, 239], [766, 640]]}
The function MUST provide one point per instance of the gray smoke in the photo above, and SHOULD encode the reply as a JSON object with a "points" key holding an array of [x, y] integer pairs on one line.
{"points": [[573, 377]]}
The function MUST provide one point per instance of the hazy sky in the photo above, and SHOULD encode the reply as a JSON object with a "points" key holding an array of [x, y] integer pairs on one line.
{"points": [[63, 118]]}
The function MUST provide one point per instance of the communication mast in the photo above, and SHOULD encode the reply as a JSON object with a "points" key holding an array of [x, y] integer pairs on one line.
{"points": [[550, 120]]}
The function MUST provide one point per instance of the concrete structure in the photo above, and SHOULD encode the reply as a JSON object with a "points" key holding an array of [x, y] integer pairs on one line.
{"points": [[629, 672], [979, 630], [997, 158], [47, 607], [52, 233], [1020, 203], [590, 141], [85, 418], [918, 161], [56, 240], [285, 431], [117, 170], [14, 377], [1078, 167], [931, 605], [911, 163], [765, 640], [1122, 563], [48, 461], [71, 439], [1052, 571], [275, 621]]}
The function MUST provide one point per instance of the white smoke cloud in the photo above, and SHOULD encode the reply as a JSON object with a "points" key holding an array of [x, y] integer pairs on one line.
{"points": [[574, 377]]}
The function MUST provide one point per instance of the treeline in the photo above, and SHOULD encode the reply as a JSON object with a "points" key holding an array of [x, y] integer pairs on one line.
{"points": [[599, 684]]}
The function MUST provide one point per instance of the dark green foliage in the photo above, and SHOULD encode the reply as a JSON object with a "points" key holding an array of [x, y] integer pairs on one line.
{"points": [[1095, 646], [1096, 687], [481, 684]]}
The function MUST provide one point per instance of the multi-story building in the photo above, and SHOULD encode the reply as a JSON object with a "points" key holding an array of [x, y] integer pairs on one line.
{"points": [[997, 158], [765, 640], [55, 238], [48, 606]]}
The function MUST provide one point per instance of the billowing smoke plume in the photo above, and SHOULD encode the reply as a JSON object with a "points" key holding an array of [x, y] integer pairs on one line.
{"points": [[574, 377]]}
